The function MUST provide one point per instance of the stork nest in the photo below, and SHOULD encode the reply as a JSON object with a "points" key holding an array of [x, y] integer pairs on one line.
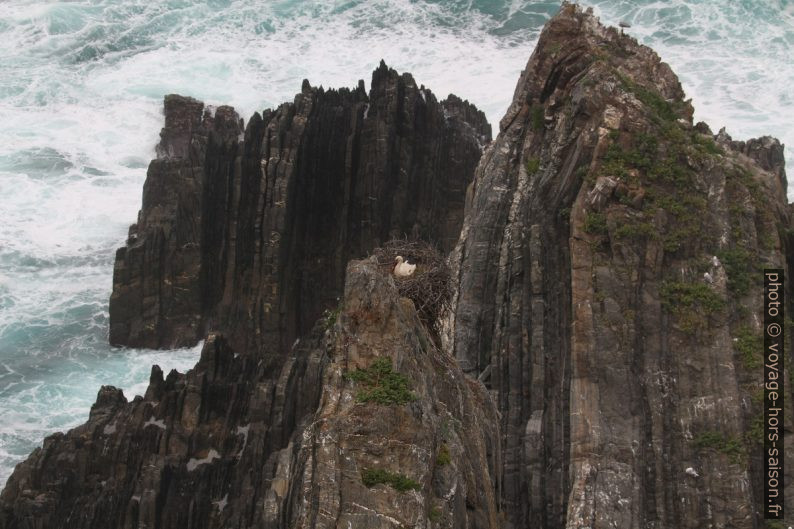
{"points": [[429, 287]]}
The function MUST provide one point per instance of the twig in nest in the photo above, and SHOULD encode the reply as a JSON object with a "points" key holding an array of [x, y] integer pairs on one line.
{"points": [[429, 287]]}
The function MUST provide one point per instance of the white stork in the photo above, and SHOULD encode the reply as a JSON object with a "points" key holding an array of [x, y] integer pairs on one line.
{"points": [[402, 268]]}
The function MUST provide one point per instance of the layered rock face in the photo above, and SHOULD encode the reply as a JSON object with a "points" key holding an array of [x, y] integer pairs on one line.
{"points": [[248, 232], [417, 444], [610, 292], [608, 299]]}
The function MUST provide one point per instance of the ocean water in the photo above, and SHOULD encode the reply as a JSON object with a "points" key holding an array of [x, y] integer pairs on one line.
{"points": [[81, 87]]}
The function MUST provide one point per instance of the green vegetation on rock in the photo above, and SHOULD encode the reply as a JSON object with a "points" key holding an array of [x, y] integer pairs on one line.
{"points": [[636, 230], [691, 303], [399, 482], [730, 446], [537, 118], [381, 384], [662, 162], [662, 108], [739, 267], [750, 346], [595, 223], [533, 164], [676, 294], [706, 144], [443, 458]]}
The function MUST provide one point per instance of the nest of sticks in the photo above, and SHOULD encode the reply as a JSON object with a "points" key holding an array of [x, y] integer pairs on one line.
{"points": [[429, 287]]}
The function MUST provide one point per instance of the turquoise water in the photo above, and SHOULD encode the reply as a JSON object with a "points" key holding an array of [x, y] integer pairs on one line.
{"points": [[81, 85]]}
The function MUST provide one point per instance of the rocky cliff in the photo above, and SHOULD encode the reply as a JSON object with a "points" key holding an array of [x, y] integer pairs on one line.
{"points": [[610, 292], [248, 231], [365, 425], [601, 359]]}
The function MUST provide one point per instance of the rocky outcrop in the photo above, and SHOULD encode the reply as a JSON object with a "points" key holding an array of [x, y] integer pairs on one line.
{"points": [[607, 299], [609, 296], [247, 232], [238, 442]]}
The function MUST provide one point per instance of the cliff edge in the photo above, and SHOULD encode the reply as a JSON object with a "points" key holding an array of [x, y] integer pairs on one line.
{"points": [[366, 425], [609, 292], [247, 231]]}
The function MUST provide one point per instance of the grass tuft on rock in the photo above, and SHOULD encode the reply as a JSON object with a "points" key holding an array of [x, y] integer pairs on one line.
{"points": [[750, 346], [652, 99], [533, 165], [730, 446], [537, 118], [399, 482], [381, 384], [739, 267], [444, 457], [691, 303], [595, 223]]}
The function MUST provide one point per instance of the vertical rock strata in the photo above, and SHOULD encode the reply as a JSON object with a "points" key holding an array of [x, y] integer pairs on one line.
{"points": [[231, 444], [609, 292], [602, 360], [248, 232]]}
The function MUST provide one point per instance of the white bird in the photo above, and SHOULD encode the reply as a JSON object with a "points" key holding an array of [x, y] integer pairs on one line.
{"points": [[714, 261], [692, 472], [707, 277], [402, 268]]}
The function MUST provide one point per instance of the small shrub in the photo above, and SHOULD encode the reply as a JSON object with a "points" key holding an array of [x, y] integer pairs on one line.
{"points": [[730, 446], [537, 118], [381, 384], [434, 515], [533, 165], [706, 144], [676, 294], [614, 162], [686, 229], [399, 482], [652, 99], [595, 223], [739, 267], [636, 230], [749, 345], [443, 458], [691, 303], [746, 178]]}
